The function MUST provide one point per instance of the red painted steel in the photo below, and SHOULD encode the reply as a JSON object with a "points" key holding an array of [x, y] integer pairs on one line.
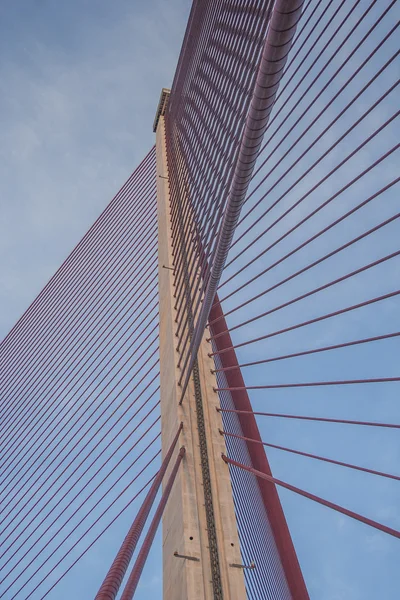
{"points": [[310, 146], [269, 494], [112, 582], [55, 341], [282, 27], [137, 569]]}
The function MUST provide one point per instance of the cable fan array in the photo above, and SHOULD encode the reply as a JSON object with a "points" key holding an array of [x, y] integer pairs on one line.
{"points": [[305, 323], [80, 400]]}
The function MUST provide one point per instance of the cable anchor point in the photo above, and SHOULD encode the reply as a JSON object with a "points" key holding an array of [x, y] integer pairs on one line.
{"points": [[186, 557], [252, 565]]}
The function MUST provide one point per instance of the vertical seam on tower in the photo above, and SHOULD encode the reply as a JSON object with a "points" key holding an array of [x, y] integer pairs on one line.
{"points": [[205, 467]]}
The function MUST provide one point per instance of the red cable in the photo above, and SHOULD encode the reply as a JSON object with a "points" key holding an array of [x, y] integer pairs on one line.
{"points": [[58, 454], [315, 456], [112, 582], [80, 476], [25, 410], [137, 568], [314, 187], [313, 264], [54, 332], [308, 384], [75, 407], [322, 501], [86, 532], [90, 495], [321, 288], [305, 418], [78, 284], [96, 538], [308, 352], [322, 231], [77, 248], [28, 409], [311, 321], [43, 351], [315, 97]]}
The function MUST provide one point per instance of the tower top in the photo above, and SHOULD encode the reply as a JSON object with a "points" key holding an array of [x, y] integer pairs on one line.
{"points": [[162, 105]]}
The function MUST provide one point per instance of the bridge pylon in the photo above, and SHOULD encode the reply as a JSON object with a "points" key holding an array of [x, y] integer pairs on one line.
{"points": [[201, 550]]}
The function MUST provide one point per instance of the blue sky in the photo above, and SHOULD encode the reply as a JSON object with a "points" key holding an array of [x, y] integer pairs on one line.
{"points": [[340, 558], [79, 85]]}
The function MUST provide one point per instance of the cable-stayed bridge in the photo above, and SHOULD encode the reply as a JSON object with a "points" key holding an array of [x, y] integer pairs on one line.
{"points": [[220, 351]]}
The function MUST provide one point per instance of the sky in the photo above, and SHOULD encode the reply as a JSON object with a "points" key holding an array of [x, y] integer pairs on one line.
{"points": [[79, 86], [340, 558], [80, 83]]}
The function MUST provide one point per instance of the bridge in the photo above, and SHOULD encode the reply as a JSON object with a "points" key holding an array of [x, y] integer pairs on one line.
{"points": [[213, 371]]}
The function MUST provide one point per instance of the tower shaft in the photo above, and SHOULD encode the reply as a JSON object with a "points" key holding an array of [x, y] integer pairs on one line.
{"points": [[200, 538]]}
